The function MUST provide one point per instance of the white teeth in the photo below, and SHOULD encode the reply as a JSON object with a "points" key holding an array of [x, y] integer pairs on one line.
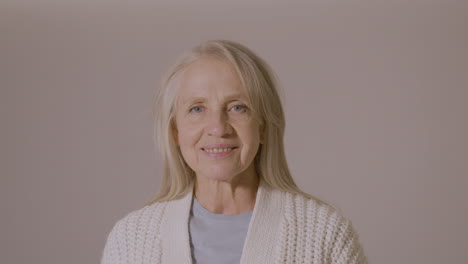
{"points": [[216, 150]]}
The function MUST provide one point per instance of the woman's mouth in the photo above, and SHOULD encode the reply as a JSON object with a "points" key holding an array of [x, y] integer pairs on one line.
{"points": [[218, 152]]}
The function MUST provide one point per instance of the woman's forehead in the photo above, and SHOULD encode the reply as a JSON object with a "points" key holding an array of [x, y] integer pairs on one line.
{"points": [[210, 77], [206, 71]]}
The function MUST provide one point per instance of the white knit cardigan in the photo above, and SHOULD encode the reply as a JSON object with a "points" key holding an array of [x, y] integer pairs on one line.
{"points": [[284, 228]]}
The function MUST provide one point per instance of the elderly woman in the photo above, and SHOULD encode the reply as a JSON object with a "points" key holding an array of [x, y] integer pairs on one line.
{"points": [[227, 195]]}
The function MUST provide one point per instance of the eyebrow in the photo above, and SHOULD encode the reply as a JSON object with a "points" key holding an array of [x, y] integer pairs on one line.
{"points": [[228, 98]]}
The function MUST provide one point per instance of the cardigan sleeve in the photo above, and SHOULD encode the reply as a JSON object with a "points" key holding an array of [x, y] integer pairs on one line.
{"points": [[348, 248], [111, 252]]}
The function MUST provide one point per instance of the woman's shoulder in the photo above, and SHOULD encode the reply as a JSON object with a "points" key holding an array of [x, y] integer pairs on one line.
{"points": [[145, 216], [138, 227], [328, 223], [303, 202], [309, 210], [295, 200]]}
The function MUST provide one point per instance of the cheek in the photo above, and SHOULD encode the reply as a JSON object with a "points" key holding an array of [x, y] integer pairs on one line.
{"points": [[251, 137], [188, 135], [253, 132], [188, 138]]}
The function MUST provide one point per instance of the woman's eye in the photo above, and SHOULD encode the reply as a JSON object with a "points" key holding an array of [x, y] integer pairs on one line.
{"points": [[196, 109], [239, 108]]}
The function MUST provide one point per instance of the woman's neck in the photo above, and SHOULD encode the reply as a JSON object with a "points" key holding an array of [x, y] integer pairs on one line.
{"points": [[227, 197]]}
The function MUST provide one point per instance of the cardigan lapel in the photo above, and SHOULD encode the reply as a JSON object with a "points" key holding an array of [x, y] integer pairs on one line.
{"points": [[175, 233], [263, 232]]}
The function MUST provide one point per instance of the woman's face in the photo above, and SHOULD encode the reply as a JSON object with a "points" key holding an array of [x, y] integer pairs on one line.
{"points": [[215, 129]]}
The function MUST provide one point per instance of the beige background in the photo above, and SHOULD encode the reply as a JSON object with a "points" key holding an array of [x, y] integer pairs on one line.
{"points": [[375, 97]]}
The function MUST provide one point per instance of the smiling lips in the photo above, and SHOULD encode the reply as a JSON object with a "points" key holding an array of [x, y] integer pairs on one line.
{"points": [[218, 151]]}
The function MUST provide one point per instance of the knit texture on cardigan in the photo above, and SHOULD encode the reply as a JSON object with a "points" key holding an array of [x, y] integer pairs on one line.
{"points": [[284, 228]]}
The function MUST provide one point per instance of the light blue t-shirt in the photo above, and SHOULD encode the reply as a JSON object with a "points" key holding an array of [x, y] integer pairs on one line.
{"points": [[216, 238]]}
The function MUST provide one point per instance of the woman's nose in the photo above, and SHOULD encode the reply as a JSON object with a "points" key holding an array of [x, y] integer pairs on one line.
{"points": [[218, 124]]}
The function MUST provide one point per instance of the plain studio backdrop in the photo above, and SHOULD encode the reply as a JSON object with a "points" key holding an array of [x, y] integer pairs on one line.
{"points": [[375, 99]]}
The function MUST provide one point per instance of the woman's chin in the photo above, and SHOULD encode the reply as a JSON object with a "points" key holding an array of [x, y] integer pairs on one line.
{"points": [[225, 173], [220, 177]]}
